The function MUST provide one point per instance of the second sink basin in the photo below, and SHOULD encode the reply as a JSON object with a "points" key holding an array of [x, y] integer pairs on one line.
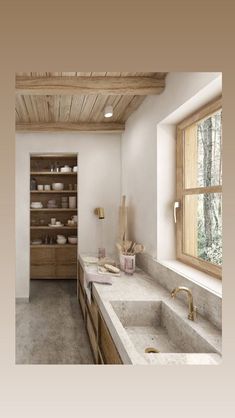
{"points": [[153, 327]]}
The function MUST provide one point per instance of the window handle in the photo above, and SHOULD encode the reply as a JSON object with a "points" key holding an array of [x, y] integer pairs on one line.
{"points": [[176, 206]]}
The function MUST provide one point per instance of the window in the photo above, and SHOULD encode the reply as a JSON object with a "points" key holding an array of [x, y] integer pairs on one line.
{"points": [[199, 189]]}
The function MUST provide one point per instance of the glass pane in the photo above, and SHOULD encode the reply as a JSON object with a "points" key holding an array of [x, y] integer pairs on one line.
{"points": [[203, 226], [202, 152]]}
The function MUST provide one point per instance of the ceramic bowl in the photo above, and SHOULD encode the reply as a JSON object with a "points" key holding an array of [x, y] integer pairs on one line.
{"points": [[57, 186], [37, 242], [66, 169], [75, 169], [72, 239], [36, 205], [61, 242], [61, 239]]}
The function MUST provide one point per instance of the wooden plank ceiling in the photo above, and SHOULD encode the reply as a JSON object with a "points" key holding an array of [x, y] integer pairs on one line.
{"points": [[76, 100]]}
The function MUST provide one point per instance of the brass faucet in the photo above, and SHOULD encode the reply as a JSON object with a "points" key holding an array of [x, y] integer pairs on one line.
{"points": [[191, 308]]}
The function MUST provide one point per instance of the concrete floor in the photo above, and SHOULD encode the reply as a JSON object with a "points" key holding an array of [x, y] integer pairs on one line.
{"points": [[50, 328]]}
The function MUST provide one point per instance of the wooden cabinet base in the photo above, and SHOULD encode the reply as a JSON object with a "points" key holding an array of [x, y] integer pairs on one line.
{"points": [[92, 337], [102, 344], [53, 263], [82, 302], [108, 350]]}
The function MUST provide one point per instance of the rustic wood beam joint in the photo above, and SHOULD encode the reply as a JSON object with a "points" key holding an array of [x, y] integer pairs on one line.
{"points": [[70, 127], [141, 86]]}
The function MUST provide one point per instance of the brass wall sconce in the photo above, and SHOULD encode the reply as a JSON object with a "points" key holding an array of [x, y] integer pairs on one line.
{"points": [[99, 212]]}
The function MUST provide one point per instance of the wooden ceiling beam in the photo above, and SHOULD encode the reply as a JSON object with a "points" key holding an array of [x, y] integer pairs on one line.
{"points": [[70, 127], [138, 86]]}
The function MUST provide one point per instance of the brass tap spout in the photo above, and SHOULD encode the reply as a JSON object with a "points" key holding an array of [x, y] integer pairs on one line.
{"points": [[191, 308]]}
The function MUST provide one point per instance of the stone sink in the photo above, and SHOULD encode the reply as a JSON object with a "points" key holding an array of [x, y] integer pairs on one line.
{"points": [[154, 328]]}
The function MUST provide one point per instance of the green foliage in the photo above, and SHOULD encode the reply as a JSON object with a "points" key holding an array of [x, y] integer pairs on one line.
{"points": [[213, 254], [209, 174]]}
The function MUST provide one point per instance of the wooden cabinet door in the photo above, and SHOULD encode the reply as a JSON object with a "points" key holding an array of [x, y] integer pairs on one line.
{"points": [[41, 256], [107, 347], [65, 255], [81, 275], [92, 337], [82, 301], [102, 345], [66, 271], [45, 271], [66, 263], [52, 263], [93, 311], [42, 263]]}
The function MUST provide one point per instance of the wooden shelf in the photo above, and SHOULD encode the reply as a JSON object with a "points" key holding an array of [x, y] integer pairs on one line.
{"points": [[53, 227], [52, 261], [53, 156], [51, 173], [52, 191], [53, 245], [54, 210]]}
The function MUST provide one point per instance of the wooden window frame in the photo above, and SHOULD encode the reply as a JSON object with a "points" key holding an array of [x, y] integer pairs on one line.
{"points": [[181, 191]]}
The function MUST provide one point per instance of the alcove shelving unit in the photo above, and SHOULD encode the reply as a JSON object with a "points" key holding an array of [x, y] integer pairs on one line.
{"points": [[49, 260]]}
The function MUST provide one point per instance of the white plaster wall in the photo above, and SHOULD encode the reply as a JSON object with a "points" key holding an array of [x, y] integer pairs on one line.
{"points": [[99, 184], [166, 191], [143, 185]]}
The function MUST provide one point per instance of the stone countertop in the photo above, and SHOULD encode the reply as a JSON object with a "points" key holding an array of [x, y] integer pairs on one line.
{"points": [[141, 287]]}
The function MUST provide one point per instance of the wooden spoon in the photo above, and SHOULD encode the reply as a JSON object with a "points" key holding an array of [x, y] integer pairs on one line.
{"points": [[119, 247], [131, 248], [139, 248], [126, 246]]}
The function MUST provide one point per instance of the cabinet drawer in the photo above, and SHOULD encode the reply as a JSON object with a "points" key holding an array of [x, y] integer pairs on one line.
{"points": [[66, 255], [92, 338], [40, 256], [81, 275], [67, 271], [93, 311], [108, 350], [82, 301], [45, 271]]}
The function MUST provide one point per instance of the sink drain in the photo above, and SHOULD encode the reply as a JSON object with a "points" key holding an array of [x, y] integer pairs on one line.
{"points": [[151, 350]]}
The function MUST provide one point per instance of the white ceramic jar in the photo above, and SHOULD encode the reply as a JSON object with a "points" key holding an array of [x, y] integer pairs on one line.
{"points": [[61, 239], [66, 169], [127, 263]]}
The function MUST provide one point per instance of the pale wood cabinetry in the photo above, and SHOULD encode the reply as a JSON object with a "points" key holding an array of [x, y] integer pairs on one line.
{"points": [[107, 348], [102, 344], [49, 260]]}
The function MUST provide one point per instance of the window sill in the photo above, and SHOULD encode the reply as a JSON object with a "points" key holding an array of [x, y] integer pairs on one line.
{"points": [[204, 280]]}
